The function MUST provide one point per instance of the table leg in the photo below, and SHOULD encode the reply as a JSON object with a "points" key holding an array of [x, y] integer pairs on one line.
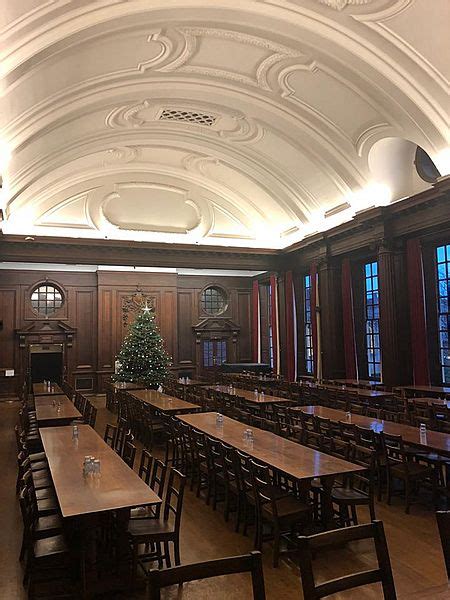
{"points": [[327, 507]]}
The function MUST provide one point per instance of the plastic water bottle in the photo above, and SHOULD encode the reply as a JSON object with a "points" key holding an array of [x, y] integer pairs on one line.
{"points": [[423, 433], [86, 466], [219, 420], [250, 437], [75, 432], [256, 394], [349, 415]]}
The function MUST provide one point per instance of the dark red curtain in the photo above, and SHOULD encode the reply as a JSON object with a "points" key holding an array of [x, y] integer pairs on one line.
{"points": [[416, 291], [255, 321], [274, 320], [313, 273], [348, 321], [290, 338]]}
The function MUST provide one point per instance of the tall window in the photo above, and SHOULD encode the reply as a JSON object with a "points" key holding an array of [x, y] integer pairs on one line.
{"points": [[270, 328], [443, 293], [309, 358], [372, 320]]}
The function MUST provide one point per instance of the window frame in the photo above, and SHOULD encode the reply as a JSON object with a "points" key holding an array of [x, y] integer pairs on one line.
{"points": [[36, 290], [308, 343], [371, 304], [224, 295], [442, 267]]}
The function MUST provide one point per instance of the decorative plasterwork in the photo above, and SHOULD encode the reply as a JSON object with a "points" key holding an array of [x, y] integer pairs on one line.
{"points": [[178, 204], [134, 304], [274, 55], [72, 213], [233, 126], [298, 95], [340, 4]]}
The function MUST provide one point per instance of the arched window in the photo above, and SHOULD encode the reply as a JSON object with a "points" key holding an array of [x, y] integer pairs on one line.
{"points": [[46, 299], [213, 300]]}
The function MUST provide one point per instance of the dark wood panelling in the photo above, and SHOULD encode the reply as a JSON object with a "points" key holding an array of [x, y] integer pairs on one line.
{"points": [[244, 319], [186, 343], [264, 322], [333, 365], [8, 303], [105, 319], [93, 309], [86, 336]]}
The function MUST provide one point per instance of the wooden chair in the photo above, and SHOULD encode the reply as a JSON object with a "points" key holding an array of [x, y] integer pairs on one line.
{"points": [[153, 471], [275, 507], [248, 563], [400, 464], [34, 526], [382, 574], [231, 483], [110, 435], [358, 488], [443, 521], [129, 454], [146, 466], [159, 532]]}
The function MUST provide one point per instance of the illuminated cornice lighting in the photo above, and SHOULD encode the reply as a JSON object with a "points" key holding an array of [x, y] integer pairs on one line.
{"points": [[373, 194], [442, 161], [5, 155]]}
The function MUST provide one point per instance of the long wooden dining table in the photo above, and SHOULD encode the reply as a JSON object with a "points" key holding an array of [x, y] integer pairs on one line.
{"points": [[435, 440], [367, 394], [360, 383], [55, 410], [249, 395], [82, 499], [426, 390], [40, 389], [117, 487], [164, 402], [295, 460]]}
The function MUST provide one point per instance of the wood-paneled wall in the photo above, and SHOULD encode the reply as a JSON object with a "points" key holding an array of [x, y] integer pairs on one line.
{"points": [[94, 309]]}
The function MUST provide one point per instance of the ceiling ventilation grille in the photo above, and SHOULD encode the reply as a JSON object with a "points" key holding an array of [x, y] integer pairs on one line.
{"points": [[187, 116]]}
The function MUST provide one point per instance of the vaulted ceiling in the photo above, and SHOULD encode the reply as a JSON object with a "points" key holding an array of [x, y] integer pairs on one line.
{"points": [[239, 122]]}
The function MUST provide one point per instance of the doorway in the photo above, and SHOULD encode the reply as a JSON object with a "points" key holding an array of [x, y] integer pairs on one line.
{"points": [[214, 353], [46, 362]]}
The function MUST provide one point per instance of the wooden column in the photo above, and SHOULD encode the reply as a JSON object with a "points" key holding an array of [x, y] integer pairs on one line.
{"points": [[394, 321], [333, 359]]}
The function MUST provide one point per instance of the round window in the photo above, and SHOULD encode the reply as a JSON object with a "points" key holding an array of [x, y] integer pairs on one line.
{"points": [[213, 300], [46, 299]]}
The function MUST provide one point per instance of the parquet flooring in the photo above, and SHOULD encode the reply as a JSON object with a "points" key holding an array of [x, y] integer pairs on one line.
{"points": [[413, 542]]}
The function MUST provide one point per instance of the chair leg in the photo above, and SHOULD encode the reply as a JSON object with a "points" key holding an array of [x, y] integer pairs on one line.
{"points": [[372, 509], [407, 495], [276, 545], [176, 551], [226, 508], [354, 515], [134, 565], [167, 555]]}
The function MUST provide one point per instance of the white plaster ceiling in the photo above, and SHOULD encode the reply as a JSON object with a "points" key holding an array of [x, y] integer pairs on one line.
{"points": [[240, 122]]}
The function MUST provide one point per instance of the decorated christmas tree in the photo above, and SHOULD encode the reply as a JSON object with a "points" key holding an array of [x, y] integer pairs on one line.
{"points": [[142, 357]]}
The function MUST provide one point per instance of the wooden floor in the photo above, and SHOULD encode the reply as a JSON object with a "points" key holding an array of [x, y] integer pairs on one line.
{"points": [[413, 542]]}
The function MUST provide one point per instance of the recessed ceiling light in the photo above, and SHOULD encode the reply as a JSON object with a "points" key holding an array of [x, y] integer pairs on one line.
{"points": [[29, 238]]}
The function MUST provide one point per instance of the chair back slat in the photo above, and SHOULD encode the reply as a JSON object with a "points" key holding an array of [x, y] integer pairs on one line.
{"points": [[249, 563], [443, 521], [383, 574]]}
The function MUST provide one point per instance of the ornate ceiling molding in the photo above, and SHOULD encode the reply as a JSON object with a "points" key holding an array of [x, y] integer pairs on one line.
{"points": [[229, 125], [278, 53], [340, 4]]}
